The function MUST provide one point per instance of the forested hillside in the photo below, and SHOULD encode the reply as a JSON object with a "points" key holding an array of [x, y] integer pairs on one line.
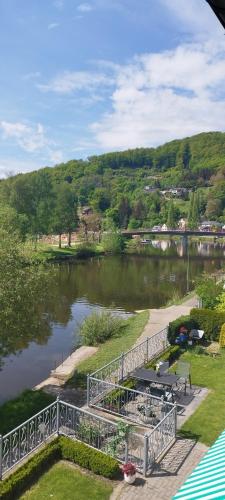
{"points": [[124, 187]]}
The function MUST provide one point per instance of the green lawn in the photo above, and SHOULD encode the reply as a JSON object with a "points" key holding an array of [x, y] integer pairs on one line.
{"points": [[112, 348], [208, 421], [65, 482]]}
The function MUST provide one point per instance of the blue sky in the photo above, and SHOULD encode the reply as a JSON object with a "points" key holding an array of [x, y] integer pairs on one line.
{"points": [[80, 78]]}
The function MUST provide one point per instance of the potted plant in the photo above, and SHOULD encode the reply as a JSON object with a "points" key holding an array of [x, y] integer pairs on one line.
{"points": [[129, 472]]}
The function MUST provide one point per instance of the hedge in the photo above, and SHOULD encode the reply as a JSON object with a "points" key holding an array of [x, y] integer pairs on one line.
{"points": [[209, 320], [174, 326], [89, 458], [170, 355], [14, 486], [222, 336]]}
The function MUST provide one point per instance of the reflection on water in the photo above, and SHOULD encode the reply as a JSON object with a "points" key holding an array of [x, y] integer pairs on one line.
{"points": [[121, 283]]}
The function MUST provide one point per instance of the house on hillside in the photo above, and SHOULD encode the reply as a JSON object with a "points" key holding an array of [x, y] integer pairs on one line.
{"points": [[210, 226]]}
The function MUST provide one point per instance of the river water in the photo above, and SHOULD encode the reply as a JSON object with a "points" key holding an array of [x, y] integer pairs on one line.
{"points": [[120, 283]]}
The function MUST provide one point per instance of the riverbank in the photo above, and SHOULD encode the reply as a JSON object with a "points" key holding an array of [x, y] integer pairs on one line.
{"points": [[144, 324]]}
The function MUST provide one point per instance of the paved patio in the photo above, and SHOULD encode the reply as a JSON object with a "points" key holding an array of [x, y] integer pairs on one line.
{"points": [[167, 477]]}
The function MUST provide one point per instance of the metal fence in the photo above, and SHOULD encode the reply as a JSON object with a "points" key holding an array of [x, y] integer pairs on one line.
{"points": [[162, 437], [23, 440], [135, 405], [62, 418], [121, 367]]}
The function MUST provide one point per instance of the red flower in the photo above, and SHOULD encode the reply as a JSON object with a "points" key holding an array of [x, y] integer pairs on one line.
{"points": [[129, 469]]}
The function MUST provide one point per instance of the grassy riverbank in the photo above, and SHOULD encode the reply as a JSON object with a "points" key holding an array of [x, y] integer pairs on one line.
{"points": [[50, 253], [111, 348]]}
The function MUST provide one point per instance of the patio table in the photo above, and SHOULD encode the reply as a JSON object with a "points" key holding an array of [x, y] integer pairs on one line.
{"points": [[148, 375]]}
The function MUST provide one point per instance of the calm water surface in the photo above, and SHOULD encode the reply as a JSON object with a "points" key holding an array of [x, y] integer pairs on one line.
{"points": [[121, 283]]}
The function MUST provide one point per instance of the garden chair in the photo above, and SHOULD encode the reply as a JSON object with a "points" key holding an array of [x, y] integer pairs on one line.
{"points": [[164, 367], [183, 370]]}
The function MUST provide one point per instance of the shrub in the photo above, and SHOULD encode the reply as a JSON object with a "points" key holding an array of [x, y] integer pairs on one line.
{"points": [[86, 250], [13, 486], [16, 411], [89, 458], [208, 290], [99, 327], [222, 336], [174, 327], [113, 242], [208, 320]]}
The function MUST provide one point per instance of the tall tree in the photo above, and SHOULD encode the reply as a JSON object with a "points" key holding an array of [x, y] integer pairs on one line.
{"points": [[194, 210], [64, 216], [171, 219]]}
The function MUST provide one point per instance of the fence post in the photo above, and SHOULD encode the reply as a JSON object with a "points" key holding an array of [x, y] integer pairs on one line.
{"points": [[126, 452], [57, 415], [145, 451], [175, 419], [122, 366], [88, 389], [1, 440], [147, 349]]}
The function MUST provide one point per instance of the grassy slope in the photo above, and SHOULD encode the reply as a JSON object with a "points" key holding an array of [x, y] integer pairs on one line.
{"points": [[115, 346], [63, 482], [208, 421]]}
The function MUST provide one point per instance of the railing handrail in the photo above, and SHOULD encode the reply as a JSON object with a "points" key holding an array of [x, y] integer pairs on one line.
{"points": [[86, 412], [129, 351], [117, 386], [29, 419]]}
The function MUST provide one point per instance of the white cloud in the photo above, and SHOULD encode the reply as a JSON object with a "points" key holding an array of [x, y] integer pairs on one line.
{"points": [[160, 97], [84, 7], [52, 26], [12, 166], [71, 81], [29, 138]]}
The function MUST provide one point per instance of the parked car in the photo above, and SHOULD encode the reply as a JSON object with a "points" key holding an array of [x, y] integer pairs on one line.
{"points": [[156, 228]]}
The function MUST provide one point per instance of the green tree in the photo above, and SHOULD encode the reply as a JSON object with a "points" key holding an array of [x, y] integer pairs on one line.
{"points": [[194, 211], [171, 219], [112, 241], [64, 216], [24, 288]]}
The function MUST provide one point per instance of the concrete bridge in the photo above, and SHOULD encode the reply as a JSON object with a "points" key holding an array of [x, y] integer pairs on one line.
{"points": [[172, 232]]}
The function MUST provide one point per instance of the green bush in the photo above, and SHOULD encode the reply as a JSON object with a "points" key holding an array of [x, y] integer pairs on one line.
{"points": [[171, 354], [222, 336], [174, 327], [209, 320], [16, 411], [209, 291], [89, 458], [13, 486], [86, 250], [99, 327]]}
